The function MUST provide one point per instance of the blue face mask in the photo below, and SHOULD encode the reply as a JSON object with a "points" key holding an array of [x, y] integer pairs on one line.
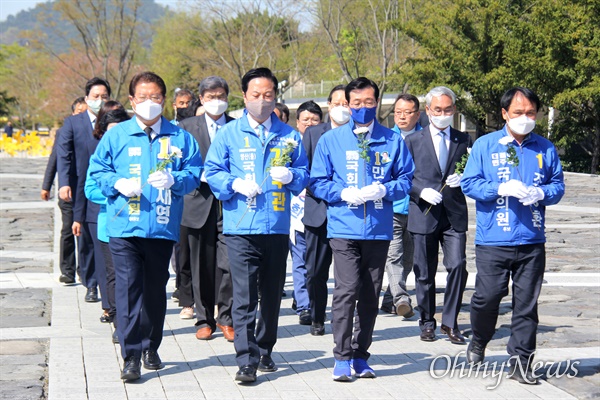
{"points": [[364, 115]]}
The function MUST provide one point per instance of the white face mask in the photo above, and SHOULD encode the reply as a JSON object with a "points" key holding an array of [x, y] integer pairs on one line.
{"points": [[148, 110], [441, 121], [340, 115], [95, 105], [215, 107], [521, 125]]}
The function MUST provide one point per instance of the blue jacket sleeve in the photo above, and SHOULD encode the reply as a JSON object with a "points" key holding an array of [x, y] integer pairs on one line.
{"points": [[101, 167], [404, 167], [299, 169], [321, 174], [474, 183], [93, 192], [554, 188]]}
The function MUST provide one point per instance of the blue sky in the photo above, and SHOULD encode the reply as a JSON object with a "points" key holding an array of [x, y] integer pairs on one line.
{"points": [[12, 7]]}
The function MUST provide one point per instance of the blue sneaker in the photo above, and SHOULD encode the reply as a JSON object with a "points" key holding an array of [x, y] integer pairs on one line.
{"points": [[362, 369], [342, 371]]}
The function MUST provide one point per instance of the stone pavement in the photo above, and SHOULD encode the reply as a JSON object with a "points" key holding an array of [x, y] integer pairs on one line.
{"points": [[52, 345]]}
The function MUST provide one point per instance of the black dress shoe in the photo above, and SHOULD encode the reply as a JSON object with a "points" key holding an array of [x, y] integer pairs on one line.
{"points": [[305, 318], [266, 364], [428, 335], [317, 329], [475, 353], [151, 359], [106, 318], [453, 334], [518, 374], [67, 280], [132, 369], [91, 296], [246, 373]]}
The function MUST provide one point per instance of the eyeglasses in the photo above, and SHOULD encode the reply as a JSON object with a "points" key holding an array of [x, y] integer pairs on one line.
{"points": [[400, 113], [155, 99]]}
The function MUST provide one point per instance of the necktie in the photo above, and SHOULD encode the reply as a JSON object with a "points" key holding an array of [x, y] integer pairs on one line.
{"points": [[148, 131], [442, 152], [261, 133], [213, 131]]}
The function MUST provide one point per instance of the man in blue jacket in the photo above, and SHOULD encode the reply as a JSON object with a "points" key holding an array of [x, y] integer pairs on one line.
{"points": [[256, 214], [144, 167], [396, 299], [512, 174], [359, 169]]}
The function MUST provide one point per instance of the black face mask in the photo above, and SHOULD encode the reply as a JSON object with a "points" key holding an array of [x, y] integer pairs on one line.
{"points": [[186, 112]]}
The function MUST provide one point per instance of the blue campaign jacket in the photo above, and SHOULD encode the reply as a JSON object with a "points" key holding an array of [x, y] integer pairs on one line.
{"points": [[401, 206], [504, 221], [238, 153], [125, 152], [337, 165], [94, 194]]}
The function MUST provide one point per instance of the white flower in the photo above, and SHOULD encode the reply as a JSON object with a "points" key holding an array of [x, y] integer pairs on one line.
{"points": [[176, 152], [506, 140], [469, 150], [290, 142], [361, 130]]}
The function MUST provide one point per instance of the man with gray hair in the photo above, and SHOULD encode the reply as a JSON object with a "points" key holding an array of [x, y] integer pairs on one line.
{"points": [[437, 213], [202, 244]]}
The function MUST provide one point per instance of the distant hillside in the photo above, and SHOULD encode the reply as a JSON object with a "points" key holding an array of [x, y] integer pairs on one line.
{"points": [[11, 29]]}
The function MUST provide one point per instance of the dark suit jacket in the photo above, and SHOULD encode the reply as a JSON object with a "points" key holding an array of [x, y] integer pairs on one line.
{"points": [[51, 169], [75, 145], [315, 209], [198, 203], [429, 175]]}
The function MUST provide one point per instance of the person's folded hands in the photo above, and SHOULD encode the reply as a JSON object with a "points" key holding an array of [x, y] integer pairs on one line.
{"points": [[431, 196], [161, 179], [246, 187], [352, 196], [373, 192], [128, 187], [281, 174]]}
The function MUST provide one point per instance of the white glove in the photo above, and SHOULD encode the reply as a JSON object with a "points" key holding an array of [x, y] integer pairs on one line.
{"points": [[203, 177], [373, 192], [453, 180], [431, 196], [161, 179], [128, 187], [248, 188], [535, 194], [281, 174], [352, 196], [513, 188]]}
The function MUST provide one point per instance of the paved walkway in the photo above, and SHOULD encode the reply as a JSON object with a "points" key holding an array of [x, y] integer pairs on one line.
{"points": [[84, 364]]}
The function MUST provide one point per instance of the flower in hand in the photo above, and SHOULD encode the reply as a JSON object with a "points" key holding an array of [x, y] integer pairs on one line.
{"points": [[373, 192], [363, 142], [161, 179], [281, 174], [352, 195]]}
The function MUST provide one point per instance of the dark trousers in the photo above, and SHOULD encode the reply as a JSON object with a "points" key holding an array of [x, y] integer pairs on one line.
{"points": [[426, 249], [141, 276], [110, 280], [318, 259], [495, 265], [358, 270], [298, 252], [183, 275], [204, 253], [399, 263], [257, 262], [87, 259], [67, 239], [99, 265]]}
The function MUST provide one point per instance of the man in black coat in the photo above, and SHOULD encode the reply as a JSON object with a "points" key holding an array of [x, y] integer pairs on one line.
{"points": [[318, 253], [202, 244], [438, 213]]}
